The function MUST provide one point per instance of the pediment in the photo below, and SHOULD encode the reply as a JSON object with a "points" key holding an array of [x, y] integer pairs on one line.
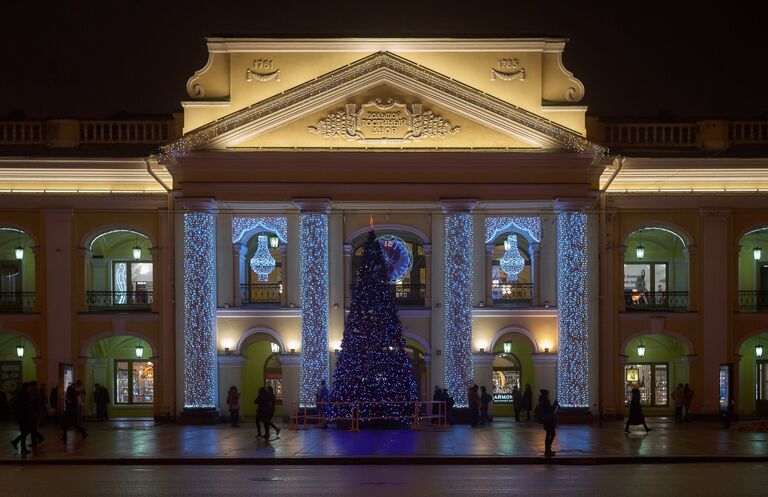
{"points": [[382, 100]]}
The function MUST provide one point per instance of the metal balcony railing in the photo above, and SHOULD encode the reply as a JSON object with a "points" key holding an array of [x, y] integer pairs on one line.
{"points": [[119, 301], [261, 293], [512, 294], [753, 301], [17, 302], [656, 301]]}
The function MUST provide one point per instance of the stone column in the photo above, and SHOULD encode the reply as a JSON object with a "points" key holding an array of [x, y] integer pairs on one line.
{"points": [[544, 374], [427, 275], [57, 268], [573, 305], [237, 269], [156, 264], [693, 280], [163, 271], [347, 275], [200, 340], [488, 277], [534, 252], [458, 297], [84, 258], [284, 275], [291, 387], [314, 292], [482, 369]]}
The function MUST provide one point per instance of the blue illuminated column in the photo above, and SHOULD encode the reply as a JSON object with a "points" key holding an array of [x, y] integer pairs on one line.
{"points": [[458, 298], [572, 309], [314, 366], [200, 365]]}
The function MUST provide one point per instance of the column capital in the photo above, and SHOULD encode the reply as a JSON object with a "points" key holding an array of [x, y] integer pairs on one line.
{"points": [[347, 249], [451, 205], [544, 358], [230, 361], [319, 205], [574, 204], [691, 250], [427, 249], [84, 252], [708, 212], [290, 360], [197, 203], [237, 249], [483, 358]]}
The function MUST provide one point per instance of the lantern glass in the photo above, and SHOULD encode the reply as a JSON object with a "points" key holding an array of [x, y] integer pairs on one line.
{"points": [[275, 347], [641, 350], [139, 350], [137, 252], [757, 253], [759, 350], [640, 252], [19, 253], [274, 242], [20, 350], [507, 347]]}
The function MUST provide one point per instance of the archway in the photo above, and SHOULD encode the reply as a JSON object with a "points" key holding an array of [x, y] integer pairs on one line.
{"points": [[125, 365], [655, 270], [17, 272], [753, 376], [512, 367], [261, 368], [17, 366], [753, 271], [656, 364], [119, 272]]}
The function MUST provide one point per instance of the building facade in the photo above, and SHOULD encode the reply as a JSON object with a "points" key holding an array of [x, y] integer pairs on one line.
{"points": [[529, 244]]}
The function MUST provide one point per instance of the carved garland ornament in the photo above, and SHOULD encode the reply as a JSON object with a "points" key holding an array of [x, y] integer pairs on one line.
{"points": [[383, 121]]}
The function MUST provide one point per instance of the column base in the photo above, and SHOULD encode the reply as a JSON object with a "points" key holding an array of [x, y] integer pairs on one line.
{"points": [[205, 416], [574, 416]]}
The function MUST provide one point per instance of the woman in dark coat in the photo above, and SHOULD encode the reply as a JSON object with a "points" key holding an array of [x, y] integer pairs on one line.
{"points": [[546, 413], [261, 401], [527, 402], [636, 412]]}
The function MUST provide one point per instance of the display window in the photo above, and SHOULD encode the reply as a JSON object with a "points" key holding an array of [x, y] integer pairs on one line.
{"points": [[645, 283], [132, 282], [506, 376], [134, 382], [653, 381]]}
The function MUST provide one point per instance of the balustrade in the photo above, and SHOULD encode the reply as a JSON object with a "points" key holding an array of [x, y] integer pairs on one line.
{"points": [[261, 293], [656, 301], [512, 294], [17, 302], [140, 301], [753, 301]]}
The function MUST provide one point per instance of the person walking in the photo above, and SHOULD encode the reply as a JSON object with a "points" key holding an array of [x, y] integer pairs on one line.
{"points": [[233, 403], [24, 415], [687, 400], [527, 402], [517, 402], [473, 400], [546, 414], [270, 413], [34, 405], [636, 412], [485, 402], [101, 397], [261, 402], [70, 417], [80, 401], [449, 403], [678, 397]]}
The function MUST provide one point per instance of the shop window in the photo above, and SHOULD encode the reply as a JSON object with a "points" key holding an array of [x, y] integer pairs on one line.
{"points": [[653, 381], [506, 376], [132, 282], [761, 385], [273, 376], [134, 382], [644, 281]]}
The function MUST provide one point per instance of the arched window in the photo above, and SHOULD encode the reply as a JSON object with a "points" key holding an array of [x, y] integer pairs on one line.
{"points": [[507, 374], [655, 271], [17, 272], [120, 272], [511, 283], [753, 271], [263, 283]]}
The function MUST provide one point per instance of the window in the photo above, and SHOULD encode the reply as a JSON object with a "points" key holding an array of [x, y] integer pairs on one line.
{"points": [[761, 385], [273, 376], [506, 376], [132, 282], [134, 382], [653, 381]]}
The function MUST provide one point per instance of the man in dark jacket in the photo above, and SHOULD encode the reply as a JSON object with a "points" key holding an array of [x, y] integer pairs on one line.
{"points": [[70, 416], [24, 415], [546, 413]]}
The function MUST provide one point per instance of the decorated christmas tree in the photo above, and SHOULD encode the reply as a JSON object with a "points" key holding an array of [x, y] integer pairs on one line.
{"points": [[373, 365]]}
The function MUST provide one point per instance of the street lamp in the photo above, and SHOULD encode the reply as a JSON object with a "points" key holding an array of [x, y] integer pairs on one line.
{"points": [[641, 350], [20, 350], [507, 347], [137, 252], [274, 241], [139, 350], [640, 250]]}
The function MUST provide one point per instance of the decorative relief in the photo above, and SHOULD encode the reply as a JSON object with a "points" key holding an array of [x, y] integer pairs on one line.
{"points": [[383, 121], [507, 70], [262, 70]]}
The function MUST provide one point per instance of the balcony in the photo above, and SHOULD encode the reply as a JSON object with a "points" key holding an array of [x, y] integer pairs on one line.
{"points": [[512, 294], [119, 301], [656, 301], [261, 293], [17, 302], [753, 301]]}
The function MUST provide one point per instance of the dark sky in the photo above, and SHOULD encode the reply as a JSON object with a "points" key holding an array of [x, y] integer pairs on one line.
{"points": [[676, 59]]}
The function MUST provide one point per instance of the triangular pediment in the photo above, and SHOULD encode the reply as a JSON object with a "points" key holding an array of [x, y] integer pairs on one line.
{"points": [[335, 107]]}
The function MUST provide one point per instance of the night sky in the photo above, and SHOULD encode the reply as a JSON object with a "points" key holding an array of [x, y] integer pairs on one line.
{"points": [[110, 58]]}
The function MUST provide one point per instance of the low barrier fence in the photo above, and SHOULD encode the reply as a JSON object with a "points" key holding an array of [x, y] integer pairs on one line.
{"points": [[414, 412]]}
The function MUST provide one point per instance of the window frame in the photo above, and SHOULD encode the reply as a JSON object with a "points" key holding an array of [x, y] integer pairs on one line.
{"points": [[131, 401], [652, 388]]}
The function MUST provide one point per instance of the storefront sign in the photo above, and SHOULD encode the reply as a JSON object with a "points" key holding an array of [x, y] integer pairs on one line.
{"points": [[633, 375], [502, 398]]}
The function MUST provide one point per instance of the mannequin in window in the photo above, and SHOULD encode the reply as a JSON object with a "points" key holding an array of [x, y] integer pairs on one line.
{"points": [[642, 289]]}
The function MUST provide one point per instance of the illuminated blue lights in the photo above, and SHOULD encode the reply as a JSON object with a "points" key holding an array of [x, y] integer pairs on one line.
{"points": [[530, 226], [313, 268], [200, 310], [512, 262], [273, 224], [573, 318], [458, 305], [262, 263]]}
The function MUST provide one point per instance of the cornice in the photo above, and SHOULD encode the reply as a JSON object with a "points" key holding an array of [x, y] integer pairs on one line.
{"points": [[260, 313], [234, 45], [500, 312]]}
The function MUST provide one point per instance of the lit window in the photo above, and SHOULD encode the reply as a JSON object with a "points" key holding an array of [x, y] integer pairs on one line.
{"points": [[134, 382], [653, 381]]}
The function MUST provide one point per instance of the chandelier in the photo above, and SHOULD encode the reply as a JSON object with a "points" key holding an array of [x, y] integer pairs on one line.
{"points": [[262, 261], [512, 262]]}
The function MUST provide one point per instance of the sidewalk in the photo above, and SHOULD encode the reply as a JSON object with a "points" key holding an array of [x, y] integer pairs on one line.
{"points": [[505, 442]]}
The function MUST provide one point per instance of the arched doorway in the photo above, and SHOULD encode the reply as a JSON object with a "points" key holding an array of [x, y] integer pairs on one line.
{"points": [[512, 366], [753, 376], [17, 366], [511, 270], [125, 366], [262, 270], [655, 271], [261, 368], [753, 271], [119, 273], [17, 272], [656, 364]]}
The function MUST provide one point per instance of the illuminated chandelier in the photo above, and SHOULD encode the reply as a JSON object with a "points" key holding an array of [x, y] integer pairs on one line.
{"points": [[262, 261], [512, 262]]}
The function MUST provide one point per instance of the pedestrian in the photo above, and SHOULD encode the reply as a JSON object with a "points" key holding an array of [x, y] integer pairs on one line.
{"points": [[71, 407], [269, 414], [517, 402], [53, 401], [233, 403], [679, 399], [527, 402], [636, 412], [688, 399], [546, 414], [449, 403], [437, 397], [473, 400], [261, 402], [485, 402], [80, 401], [24, 417], [101, 397], [321, 401], [34, 404]]}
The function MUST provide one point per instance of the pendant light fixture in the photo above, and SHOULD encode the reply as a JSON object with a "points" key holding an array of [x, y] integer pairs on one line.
{"points": [[512, 262], [137, 250], [19, 249], [759, 350], [757, 252], [20, 350], [640, 250], [641, 350], [139, 351]]}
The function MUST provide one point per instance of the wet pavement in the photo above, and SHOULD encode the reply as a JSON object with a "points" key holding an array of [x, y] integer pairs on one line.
{"points": [[504, 442]]}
